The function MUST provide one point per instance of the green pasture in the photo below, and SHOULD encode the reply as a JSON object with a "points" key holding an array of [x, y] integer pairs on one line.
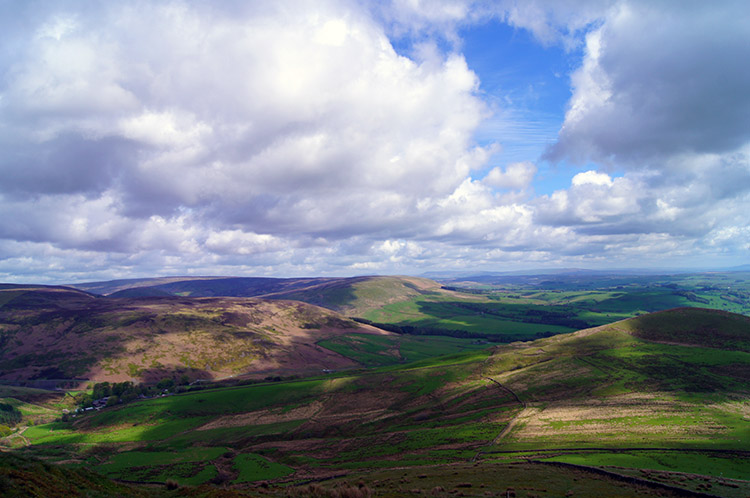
{"points": [[160, 418], [187, 467], [528, 316], [522, 312], [229, 436], [30, 410], [630, 294], [729, 465], [410, 445], [521, 479], [454, 316], [467, 359], [255, 468], [373, 350]]}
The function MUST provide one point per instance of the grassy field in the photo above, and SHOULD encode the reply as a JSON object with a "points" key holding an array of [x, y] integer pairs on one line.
{"points": [[731, 466], [371, 350], [508, 317], [435, 411]]}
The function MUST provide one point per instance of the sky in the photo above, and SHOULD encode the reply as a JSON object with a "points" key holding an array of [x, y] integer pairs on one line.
{"points": [[337, 138]]}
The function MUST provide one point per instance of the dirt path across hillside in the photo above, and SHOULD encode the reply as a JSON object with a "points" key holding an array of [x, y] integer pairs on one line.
{"points": [[512, 422]]}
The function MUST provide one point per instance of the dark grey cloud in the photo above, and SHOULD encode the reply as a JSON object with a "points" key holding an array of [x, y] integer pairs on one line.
{"points": [[660, 79], [68, 163]]}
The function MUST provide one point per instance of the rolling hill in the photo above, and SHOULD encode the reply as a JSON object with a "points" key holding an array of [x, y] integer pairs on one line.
{"points": [[353, 295], [675, 377], [656, 399], [63, 333]]}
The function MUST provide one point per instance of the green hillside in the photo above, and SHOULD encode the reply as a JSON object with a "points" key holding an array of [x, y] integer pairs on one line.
{"points": [[606, 397], [355, 296]]}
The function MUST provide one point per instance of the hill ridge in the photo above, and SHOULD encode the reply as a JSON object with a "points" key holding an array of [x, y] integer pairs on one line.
{"points": [[66, 334]]}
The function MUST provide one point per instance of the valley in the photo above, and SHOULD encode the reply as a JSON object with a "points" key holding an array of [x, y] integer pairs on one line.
{"points": [[478, 390]]}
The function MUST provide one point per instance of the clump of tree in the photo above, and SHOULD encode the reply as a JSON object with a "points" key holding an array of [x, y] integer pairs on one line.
{"points": [[9, 415], [110, 394], [692, 297]]}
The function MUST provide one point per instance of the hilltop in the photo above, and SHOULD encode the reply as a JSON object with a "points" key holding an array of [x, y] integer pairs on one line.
{"points": [[355, 296], [351, 295], [197, 286], [63, 333], [694, 327]]}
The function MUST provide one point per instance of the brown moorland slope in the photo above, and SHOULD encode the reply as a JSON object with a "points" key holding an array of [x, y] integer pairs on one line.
{"points": [[63, 333]]}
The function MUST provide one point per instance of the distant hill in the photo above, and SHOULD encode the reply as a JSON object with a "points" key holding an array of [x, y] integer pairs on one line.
{"points": [[199, 286], [61, 333], [356, 295], [352, 296]]}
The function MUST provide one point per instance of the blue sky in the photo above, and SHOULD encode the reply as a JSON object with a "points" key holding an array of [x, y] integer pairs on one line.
{"points": [[298, 138], [529, 86]]}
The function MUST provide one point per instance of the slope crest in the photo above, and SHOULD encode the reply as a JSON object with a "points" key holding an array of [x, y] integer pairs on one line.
{"points": [[694, 327]]}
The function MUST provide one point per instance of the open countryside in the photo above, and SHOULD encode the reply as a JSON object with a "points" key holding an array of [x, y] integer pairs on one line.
{"points": [[374, 249], [656, 403]]}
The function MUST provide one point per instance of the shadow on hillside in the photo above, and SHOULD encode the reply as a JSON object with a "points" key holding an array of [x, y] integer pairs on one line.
{"points": [[193, 375]]}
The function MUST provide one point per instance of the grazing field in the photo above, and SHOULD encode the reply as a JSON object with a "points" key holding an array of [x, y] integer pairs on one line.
{"points": [[727, 291], [430, 412], [371, 350], [610, 385], [728, 465]]}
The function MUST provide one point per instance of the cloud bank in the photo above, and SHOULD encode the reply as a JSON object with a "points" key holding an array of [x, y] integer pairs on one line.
{"points": [[292, 138]]}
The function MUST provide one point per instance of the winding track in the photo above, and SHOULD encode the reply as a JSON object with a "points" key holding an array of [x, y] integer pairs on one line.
{"points": [[512, 422]]}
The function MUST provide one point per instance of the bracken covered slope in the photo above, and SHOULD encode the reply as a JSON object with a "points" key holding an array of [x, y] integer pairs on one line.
{"points": [[60, 333]]}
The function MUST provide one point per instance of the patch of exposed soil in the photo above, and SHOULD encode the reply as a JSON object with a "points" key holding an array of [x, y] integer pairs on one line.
{"points": [[264, 417]]}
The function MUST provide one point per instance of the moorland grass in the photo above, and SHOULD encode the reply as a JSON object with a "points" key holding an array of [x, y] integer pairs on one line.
{"points": [[253, 467]]}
